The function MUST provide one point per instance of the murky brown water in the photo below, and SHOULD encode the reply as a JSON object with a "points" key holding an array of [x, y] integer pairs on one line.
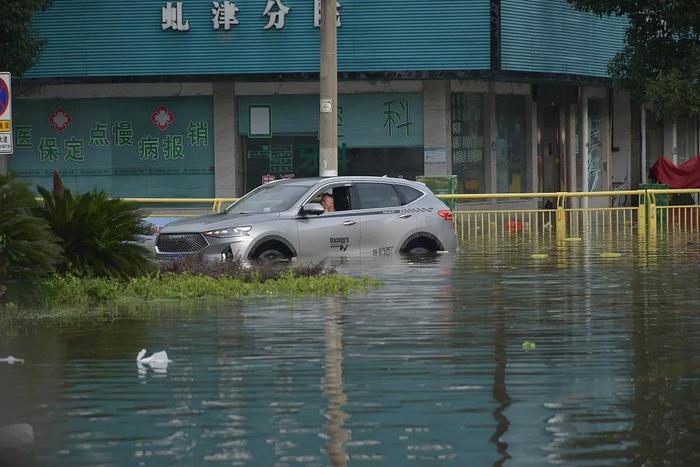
{"points": [[427, 370]]}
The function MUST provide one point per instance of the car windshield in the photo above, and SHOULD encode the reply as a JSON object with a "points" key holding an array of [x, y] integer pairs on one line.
{"points": [[268, 198]]}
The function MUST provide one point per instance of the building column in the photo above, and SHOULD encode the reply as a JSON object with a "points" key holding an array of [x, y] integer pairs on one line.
{"points": [[491, 180], [4, 164], [570, 139], [437, 128], [670, 139], [532, 130], [228, 160]]}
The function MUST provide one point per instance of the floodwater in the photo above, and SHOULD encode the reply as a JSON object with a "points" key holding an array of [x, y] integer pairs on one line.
{"points": [[428, 369]]}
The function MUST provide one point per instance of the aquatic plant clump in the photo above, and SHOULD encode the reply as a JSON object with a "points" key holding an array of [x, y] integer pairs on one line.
{"points": [[245, 270], [77, 292]]}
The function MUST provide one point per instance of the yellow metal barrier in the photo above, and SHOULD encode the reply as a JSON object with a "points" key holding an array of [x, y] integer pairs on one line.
{"points": [[673, 219], [569, 217]]}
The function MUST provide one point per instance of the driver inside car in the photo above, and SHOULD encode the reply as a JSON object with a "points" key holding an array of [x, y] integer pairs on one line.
{"points": [[328, 202]]}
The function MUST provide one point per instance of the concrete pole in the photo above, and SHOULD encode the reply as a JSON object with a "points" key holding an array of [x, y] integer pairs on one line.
{"points": [[643, 125], [328, 121]]}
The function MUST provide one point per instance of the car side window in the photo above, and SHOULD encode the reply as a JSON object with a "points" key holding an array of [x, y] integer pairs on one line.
{"points": [[408, 194], [341, 197], [377, 195]]}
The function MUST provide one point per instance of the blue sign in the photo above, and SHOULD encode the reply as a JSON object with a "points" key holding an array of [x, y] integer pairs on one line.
{"points": [[4, 97]]}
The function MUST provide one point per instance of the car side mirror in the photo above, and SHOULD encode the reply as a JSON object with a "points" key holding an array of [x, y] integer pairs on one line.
{"points": [[314, 209]]}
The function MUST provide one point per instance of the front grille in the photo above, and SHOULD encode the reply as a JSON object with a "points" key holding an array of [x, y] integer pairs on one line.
{"points": [[181, 243]]}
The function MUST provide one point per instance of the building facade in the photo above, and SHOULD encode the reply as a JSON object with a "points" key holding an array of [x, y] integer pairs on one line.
{"points": [[196, 98]]}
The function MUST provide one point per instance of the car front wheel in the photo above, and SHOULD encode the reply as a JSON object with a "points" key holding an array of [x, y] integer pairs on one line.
{"points": [[272, 250]]}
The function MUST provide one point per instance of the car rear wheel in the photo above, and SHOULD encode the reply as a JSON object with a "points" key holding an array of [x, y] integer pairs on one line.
{"points": [[421, 246]]}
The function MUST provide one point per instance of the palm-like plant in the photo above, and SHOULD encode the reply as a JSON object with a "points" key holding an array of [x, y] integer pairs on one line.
{"points": [[28, 247], [98, 234]]}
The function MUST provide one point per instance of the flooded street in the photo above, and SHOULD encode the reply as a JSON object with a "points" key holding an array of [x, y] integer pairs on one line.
{"points": [[429, 369]]}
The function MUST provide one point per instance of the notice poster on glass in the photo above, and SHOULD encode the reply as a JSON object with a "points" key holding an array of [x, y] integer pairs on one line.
{"points": [[281, 159], [435, 155]]}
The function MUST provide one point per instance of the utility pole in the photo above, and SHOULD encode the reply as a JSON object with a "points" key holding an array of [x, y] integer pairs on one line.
{"points": [[328, 121]]}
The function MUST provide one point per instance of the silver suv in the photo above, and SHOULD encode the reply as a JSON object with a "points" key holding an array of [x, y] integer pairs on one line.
{"points": [[374, 216]]}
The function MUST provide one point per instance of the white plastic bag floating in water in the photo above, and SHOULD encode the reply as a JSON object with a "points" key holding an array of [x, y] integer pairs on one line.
{"points": [[11, 360], [157, 361], [14, 436]]}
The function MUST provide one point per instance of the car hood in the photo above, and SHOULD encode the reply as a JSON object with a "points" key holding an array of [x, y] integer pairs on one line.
{"points": [[217, 221]]}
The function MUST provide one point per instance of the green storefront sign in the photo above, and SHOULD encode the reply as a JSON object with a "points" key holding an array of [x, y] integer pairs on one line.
{"points": [[130, 147], [379, 120]]}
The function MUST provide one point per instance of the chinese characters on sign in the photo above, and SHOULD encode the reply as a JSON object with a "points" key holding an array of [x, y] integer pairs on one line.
{"points": [[172, 17], [224, 15], [24, 136], [171, 147], [397, 120], [317, 14], [276, 17]]}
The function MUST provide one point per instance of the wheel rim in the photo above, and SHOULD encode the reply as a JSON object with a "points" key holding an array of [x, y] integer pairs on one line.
{"points": [[271, 253]]}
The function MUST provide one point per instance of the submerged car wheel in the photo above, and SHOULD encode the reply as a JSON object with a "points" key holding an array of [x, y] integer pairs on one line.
{"points": [[420, 246], [271, 253], [272, 250], [419, 251]]}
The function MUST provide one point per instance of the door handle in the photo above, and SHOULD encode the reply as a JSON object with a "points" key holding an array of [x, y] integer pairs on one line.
{"points": [[405, 216], [349, 223]]}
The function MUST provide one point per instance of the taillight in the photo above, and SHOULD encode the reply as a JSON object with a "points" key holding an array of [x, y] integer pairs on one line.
{"points": [[447, 215]]}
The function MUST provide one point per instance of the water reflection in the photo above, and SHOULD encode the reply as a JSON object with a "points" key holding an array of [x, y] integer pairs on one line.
{"points": [[333, 384], [427, 370]]}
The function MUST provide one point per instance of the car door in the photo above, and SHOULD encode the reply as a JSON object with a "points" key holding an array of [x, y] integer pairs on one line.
{"points": [[384, 223], [331, 233]]}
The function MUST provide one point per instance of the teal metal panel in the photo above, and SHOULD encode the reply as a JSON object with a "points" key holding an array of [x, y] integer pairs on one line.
{"points": [[550, 36], [125, 38], [365, 120], [117, 146]]}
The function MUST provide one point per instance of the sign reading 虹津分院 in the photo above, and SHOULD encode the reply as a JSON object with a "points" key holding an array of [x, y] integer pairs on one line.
{"points": [[225, 14]]}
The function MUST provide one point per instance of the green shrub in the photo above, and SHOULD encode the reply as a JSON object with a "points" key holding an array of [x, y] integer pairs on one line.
{"points": [[96, 233], [28, 248]]}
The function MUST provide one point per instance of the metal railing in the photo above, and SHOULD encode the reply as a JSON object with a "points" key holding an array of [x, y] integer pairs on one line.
{"points": [[665, 218], [568, 215]]}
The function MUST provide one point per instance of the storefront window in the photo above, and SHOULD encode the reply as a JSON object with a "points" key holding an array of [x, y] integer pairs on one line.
{"points": [[654, 138], [468, 141], [297, 156], [511, 144], [687, 129], [378, 134]]}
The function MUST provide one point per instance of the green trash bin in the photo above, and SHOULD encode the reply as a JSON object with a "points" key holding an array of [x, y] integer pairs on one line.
{"points": [[441, 185], [661, 199]]}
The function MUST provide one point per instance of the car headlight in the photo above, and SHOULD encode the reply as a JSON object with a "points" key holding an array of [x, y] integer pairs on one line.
{"points": [[229, 232]]}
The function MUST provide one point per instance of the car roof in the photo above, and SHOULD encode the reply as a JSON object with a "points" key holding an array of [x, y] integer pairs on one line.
{"points": [[312, 181]]}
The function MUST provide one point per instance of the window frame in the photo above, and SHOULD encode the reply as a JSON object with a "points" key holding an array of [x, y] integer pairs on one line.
{"points": [[390, 184], [401, 198], [351, 190]]}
